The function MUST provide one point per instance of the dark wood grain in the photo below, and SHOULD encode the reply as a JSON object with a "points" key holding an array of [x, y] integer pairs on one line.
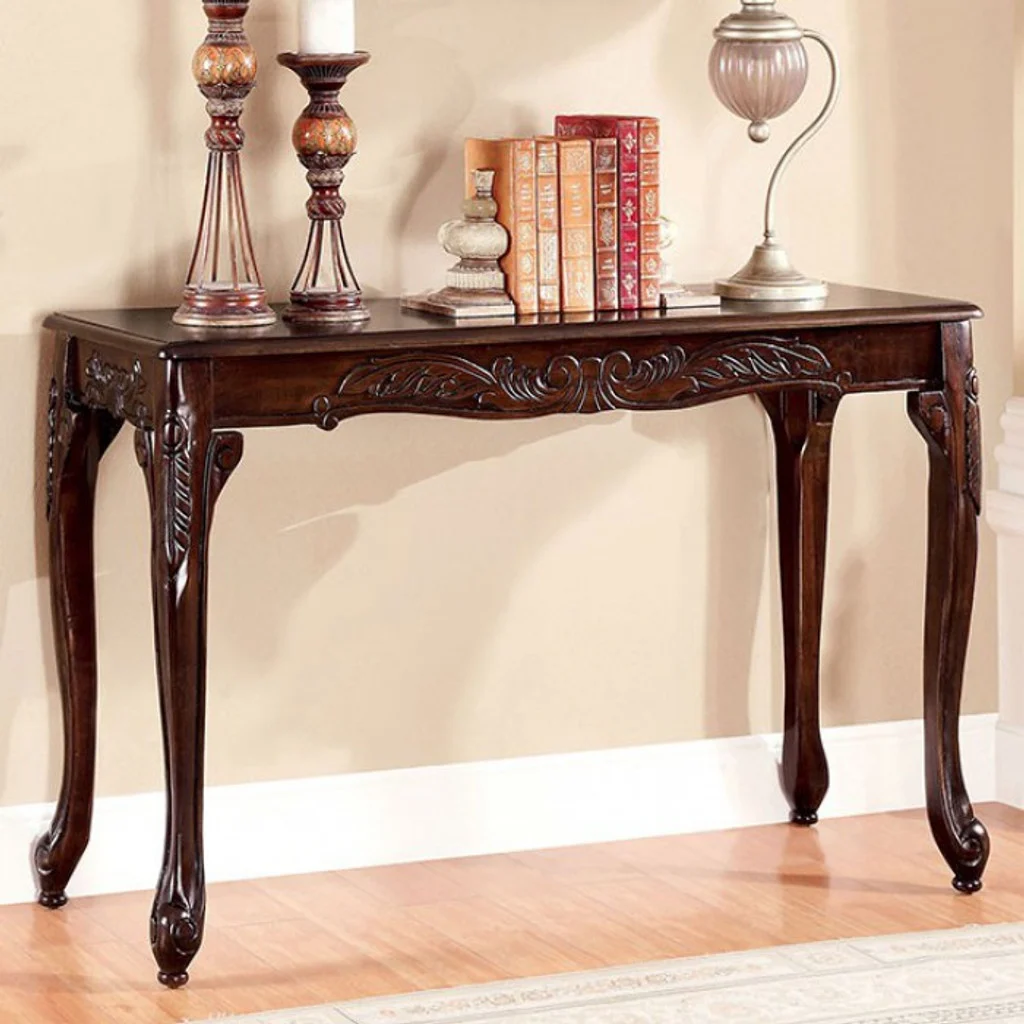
{"points": [[802, 425], [150, 332], [187, 392], [77, 440], [186, 464], [949, 421], [517, 379]]}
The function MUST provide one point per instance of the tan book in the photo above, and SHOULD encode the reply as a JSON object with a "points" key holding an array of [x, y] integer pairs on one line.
{"points": [[514, 162], [549, 274], [626, 130], [576, 211], [650, 213]]}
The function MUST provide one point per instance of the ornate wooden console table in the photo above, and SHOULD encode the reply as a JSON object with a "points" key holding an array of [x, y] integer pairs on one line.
{"points": [[187, 394]]}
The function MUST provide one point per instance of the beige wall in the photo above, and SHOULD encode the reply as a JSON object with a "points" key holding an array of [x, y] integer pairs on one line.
{"points": [[1018, 218], [416, 591]]}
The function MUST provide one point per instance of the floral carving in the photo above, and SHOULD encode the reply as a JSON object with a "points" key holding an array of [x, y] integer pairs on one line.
{"points": [[175, 935], [972, 440], [51, 445], [933, 414], [117, 390], [59, 424], [431, 382], [177, 925], [177, 455], [222, 460]]}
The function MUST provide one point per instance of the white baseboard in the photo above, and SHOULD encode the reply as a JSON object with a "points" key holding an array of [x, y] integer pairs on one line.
{"points": [[305, 825]]}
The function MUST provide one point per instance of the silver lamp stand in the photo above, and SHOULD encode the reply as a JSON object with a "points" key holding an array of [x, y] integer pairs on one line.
{"points": [[759, 82]]}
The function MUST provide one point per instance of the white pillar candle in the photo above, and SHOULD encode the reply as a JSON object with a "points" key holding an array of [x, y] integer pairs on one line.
{"points": [[327, 26]]}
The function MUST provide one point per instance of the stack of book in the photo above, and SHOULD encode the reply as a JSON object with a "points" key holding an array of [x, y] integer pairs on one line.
{"points": [[582, 209]]}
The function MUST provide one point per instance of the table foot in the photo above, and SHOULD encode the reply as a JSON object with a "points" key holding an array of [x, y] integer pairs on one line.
{"points": [[178, 980], [968, 886], [175, 934], [52, 900], [805, 819], [50, 870], [966, 848]]}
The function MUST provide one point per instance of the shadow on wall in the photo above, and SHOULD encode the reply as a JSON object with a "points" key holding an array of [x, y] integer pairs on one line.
{"points": [[450, 75], [924, 230], [739, 459]]}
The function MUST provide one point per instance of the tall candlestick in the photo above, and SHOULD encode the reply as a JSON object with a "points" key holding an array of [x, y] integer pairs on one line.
{"points": [[327, 26], [325, 290], [224, 287]]}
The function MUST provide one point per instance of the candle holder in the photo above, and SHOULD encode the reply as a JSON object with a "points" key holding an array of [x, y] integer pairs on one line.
{"points": [[223, 288], [325, 290]]}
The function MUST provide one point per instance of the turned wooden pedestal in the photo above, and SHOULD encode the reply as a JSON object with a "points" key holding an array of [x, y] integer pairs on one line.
{"points": [[188, 394]]}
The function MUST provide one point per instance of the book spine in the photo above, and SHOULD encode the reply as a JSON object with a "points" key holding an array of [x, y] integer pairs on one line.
{"points": [[513, 162], [524, 231], [549, 290], [576, 189], [650, 213], [629, 213], [577, 127], [606, 223]]}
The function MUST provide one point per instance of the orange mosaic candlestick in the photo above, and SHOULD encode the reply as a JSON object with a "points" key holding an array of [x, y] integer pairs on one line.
{"points": [[224, 287], [325, 290]]}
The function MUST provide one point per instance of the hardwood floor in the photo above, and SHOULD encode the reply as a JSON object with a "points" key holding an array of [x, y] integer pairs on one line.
{"points": [[313, 939]]}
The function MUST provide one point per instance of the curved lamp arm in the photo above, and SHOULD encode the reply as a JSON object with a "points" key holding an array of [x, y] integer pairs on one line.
{"points": [[816, 125]]}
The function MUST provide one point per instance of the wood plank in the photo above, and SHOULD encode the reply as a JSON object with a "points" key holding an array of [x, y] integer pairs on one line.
{"points": [[287, 942], [507, 940]]}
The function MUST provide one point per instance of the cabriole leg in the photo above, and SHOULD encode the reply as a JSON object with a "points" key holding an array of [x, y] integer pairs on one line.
{"points": [[802, 425], [186, 465], [78, 438], [950, 422]]}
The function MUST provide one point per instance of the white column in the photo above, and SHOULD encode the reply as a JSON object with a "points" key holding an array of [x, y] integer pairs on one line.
{"points": [[1005, 515]]}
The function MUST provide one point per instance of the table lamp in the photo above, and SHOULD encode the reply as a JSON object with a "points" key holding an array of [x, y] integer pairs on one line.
{"points": [[759, 69]]}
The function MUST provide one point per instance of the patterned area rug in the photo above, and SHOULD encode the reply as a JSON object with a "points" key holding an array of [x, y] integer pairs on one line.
{"points": [[967, 976]]}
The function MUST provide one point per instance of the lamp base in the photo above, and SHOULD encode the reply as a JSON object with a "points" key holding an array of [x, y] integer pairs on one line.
{"points": [[770, 277]]}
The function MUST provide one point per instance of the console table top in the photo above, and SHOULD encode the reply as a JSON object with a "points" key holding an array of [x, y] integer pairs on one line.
{"points": [[150, 332]]}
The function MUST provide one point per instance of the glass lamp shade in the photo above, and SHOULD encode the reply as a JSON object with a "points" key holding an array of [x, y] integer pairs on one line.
{"points": [[758, 81]]}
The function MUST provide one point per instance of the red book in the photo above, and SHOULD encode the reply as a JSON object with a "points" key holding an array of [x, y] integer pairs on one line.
{"points": [[606, 222], [627, 131], [650, 213]]}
